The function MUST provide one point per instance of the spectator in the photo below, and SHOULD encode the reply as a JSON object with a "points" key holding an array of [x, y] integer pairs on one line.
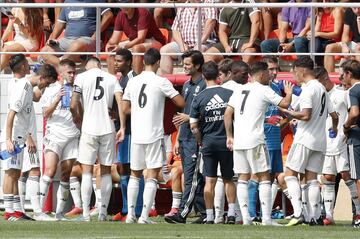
{"points": [[161, 14], [328, 29], [27, 24], [270, 17], [238, 32], [185, 29], [80, 31], [298, 18], [346, 45], [139, 26]]}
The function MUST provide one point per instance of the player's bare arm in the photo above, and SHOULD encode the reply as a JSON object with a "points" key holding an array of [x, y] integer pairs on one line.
{"points": [[30, 144], [304, 115], [74, 108], [48, 111], [194, 127], [9, 127], [228, 121], [121, 133], [286, 101], [126, 107], [335, 121], [352, 117], [179, 102], [37, 93], [180, 118]]}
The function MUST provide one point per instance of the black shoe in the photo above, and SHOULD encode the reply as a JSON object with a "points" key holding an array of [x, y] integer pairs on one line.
{"points": [[230, 220], [26, 217], [200, 220], [209, 222], [257, 221], [317, 222], [177, 218]]}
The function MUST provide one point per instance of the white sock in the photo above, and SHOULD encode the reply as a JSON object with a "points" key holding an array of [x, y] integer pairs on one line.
{"points": [[305, 201], [33, 187], [237, 207], [209, 215], [75, 191], [98, 197], [293, 187], [354, 194], [22, 191], [132, 194], [86, 190], [62, 196], [231, 209], [329, 198], [274, 190], [286, 193], [243, 199], [314, 199], [149, 196], [16, 204], [95, 191], [44, 189], [219, 198], [176, 199], [265, 199], [9, 203], [106, 187]]}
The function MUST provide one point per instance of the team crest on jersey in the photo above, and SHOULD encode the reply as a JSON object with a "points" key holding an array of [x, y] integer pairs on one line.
{"points": [[186, 91], [18, 104], [197, 89]]}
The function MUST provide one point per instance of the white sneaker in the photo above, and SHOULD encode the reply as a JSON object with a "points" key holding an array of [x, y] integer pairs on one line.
{"points": [[130, 219], [102, 218], [94, 212], [219, 220], [82, 219], [271, 223], [60, 217], [145, 221], [43, 217]]}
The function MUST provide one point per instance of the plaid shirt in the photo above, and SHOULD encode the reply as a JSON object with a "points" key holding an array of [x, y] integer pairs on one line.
{"points": [[186, 22]]}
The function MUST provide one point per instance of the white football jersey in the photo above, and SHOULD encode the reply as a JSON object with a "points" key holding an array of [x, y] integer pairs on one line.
{"points": [[250, 102], [230, 85], [311, 133], [338, 99], [146, 93], [61, 120], [97, 89], [20, 101]]}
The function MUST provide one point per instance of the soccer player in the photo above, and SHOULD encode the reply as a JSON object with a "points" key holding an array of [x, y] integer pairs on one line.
{"points": [[247, 106], [16, 128], [145, 96], [94, 91], [123, 63], [61, 138], [207, 124], [306, 155], [336, 158], [351, 126], [186, 144]]}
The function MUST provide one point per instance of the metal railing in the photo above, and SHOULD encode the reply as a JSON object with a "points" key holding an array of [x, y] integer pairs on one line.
{"points": [[199, 7]]}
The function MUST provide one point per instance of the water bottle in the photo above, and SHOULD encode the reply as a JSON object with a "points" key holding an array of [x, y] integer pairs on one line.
{"points": [[332, 133], [296, 89], [17, 149], [65, 99]]}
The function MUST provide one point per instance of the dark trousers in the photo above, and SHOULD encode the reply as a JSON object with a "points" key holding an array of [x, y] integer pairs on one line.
{"points": [[193, 194]]}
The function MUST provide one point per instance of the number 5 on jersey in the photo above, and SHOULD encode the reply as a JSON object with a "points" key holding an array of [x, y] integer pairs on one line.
{"points": [[98, 87]]}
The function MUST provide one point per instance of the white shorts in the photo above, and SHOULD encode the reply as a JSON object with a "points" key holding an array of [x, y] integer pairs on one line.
{"points": [[91, 147], [13, 162], [147, 156], [334, 164], [301, 158], [255, 160], [30, 161], [65, 148]]}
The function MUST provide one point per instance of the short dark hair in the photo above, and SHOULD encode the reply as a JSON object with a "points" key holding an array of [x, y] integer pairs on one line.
{"points": [[151, 56], [67, 62], [353, 67], [258, 67], [304, 62], [94, 59], [210, 70], [320, 72], [16, 61], [48, 72], [271, 59], [197, 58], [240, 64], [225, 65], [125, 53]]}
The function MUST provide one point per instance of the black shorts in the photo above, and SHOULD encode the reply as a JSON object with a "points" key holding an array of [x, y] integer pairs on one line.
{"points": [[354, 160], [236, 44], [213, 159]]}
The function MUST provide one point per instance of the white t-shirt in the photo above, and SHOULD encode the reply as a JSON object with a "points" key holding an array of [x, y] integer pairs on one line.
{"points": [[61, 120], [250, 102], [20, 101], [97, 88], [311, 133], [146, 93], [338, 99], [230, 85]]}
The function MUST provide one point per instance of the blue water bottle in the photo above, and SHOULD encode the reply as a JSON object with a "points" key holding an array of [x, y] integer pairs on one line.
{"points": [[65, 99], [332, 133], [17, 149]]}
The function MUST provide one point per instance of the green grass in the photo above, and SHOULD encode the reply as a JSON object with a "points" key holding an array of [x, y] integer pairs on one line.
{"points": [[95, 229]]}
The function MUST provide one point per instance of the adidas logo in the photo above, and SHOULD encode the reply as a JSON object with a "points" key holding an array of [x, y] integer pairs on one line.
{"points": [[215, 103]]}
